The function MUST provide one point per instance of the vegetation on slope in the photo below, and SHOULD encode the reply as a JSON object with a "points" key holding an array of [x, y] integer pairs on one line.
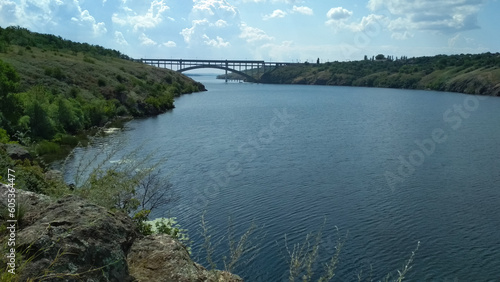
{"points": [[465, 73], [51, 88]]}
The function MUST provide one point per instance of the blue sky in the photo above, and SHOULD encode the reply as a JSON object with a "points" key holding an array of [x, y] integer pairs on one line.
{"points": [[277, 30]]}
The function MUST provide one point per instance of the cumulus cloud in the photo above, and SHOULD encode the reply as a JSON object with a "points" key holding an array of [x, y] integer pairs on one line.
{"points": [[275, 14], [221, 23], [209, 19], [150, 19], [145, 40], [120, 39], [448, 16], [169, 44], [214, 7], [303, 10], [218, 42], [253, 34], [46, 16], [338, 13], [99, 28]]}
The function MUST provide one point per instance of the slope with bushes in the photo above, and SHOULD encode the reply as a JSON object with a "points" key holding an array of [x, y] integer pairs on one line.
{"points": [[464, 73], [51, 88]]}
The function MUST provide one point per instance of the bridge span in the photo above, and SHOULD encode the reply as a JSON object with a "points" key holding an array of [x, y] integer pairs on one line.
{"points": [[235, 66]]}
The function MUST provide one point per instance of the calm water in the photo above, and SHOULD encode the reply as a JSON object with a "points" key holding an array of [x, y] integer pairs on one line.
{"points": [[390, 167]]}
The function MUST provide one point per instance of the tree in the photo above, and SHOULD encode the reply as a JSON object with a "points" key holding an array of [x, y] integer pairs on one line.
{"points": [[380, 57], [154, 191], [317, 61], [366, 58], [10, 106], [8, 79], [40, 122], [67, 117]]}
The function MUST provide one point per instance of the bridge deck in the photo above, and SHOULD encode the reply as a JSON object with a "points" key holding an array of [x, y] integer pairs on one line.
{"points": [[237, 66]]}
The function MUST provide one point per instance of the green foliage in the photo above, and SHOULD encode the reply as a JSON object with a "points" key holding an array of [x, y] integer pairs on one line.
{"points": [[68, 117], [140, 219], [4, 137], [47, 147], [15, 35], [88, 60], [30, 177], [101, 82], [440, 72], [170, 227], [41, 125], [9, 79], [55, 72]]}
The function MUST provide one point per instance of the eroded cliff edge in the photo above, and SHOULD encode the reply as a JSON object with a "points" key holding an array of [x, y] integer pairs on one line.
{"points": [[71, 239]]}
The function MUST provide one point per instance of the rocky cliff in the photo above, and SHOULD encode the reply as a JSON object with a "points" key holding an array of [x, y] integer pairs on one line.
{"points": [[70, 239]]}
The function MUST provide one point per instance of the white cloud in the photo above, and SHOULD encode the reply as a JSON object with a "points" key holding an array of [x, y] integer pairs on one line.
{"points": [[188, 33], [151, 19], [120, 39], [275, 14], [98, 28], [211, 7], [146, 40], [221, 23], [338, 13], [447, 16], [46, 16], [215, 43], [253, 34], [169, 44], [212, 20], [303, 10]]}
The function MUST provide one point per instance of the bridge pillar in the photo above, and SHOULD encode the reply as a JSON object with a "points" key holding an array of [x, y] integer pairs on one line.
{"points": [[227, 65]]}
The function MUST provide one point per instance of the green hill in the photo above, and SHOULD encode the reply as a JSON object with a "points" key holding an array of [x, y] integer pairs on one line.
{"points": [[465, 73], [51, 87]]}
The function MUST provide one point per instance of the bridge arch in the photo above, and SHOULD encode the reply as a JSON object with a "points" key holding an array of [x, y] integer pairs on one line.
{"points": [[249, 78]]}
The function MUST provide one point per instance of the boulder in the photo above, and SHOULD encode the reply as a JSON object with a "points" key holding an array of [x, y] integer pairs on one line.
{"points": [[158, 258], [17, 152], [71, 239], [74, 240]]}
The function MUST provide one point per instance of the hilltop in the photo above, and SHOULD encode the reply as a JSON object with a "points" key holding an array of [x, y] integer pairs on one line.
{"points": [[464, 73], [52, 88]]}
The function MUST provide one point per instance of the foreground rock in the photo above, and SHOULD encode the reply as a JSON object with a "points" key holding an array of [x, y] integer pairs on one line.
{"points": [[161, 258], [71, 239], [16, 152]]}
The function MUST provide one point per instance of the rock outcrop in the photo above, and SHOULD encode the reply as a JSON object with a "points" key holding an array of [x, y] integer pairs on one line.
{"points": [[70, 239], [16, 152], [158, 258]]}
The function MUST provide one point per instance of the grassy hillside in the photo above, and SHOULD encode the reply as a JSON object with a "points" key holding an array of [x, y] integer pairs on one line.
{"points": [[51, 88], [465, 73]]}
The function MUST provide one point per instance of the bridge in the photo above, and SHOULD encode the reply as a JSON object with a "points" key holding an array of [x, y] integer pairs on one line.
{"points": [[234, 66]]}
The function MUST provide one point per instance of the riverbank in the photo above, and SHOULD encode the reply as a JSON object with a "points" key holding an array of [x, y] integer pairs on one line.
{"points": [[55, 91], [466, 73]]}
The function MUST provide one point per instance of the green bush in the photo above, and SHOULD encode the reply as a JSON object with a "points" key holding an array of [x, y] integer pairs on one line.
{"points": [[88, 60], [101, 82], [30, 177], [55, 72], [45, 147]]}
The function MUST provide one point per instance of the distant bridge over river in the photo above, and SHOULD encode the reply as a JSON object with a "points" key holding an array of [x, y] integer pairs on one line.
{"points": [[234, 66]]}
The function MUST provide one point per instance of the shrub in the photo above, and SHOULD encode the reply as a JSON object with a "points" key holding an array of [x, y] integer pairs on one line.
{"points": [[101, 82], [30, 176], [170, 227], [88, 60], [55, 72], [45, 147]]}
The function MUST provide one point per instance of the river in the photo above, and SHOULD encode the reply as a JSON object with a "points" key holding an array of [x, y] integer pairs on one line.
{"points": [[387, 168]]}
